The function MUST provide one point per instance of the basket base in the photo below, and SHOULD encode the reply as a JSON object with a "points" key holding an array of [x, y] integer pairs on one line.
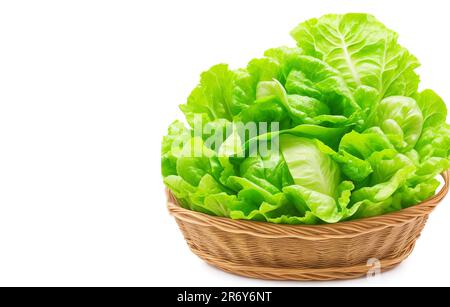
{"points": [[303, 274]]}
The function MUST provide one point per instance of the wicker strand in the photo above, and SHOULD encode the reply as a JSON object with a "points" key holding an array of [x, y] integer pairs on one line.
{"points": [[332, 273]]}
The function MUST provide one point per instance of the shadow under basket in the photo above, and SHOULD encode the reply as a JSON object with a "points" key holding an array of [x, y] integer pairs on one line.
{"points": [[304, 252]]}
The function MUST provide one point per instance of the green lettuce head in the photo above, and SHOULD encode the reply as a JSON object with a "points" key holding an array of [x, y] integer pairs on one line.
{"points": [[330, 130]]}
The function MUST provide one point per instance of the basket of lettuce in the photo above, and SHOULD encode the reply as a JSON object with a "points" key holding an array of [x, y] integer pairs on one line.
{"points": [[311, 160]]}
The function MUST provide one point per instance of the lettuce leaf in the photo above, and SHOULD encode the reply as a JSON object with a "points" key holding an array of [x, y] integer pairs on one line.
{"points": [[401, 120], [363, 50]]}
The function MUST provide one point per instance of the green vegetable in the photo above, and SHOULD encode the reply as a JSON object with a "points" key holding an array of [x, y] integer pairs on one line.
{"points": [[309, 167], [330, 130], [400, 119], [363, 50]]}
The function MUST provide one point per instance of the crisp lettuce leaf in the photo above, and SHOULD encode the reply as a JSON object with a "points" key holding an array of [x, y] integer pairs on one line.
{"points": [[401, 120], [363, 50], [362, 145], [411, 195], [354, 168], [432, 107], [270, 172], [382, 191], [324, 207], [172, 145], [309, 167], [195, 161], [221, 93], [434, 142]]}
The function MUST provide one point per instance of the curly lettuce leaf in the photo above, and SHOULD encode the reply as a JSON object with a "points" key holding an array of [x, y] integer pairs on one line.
{"points": [[309, 167], [210, 197], [354, 168], [433, 108], [221, 93], [411, 195], [362, 145], [369, 208], [172, 145], [363, 50], [195, 161], [401, 120], [269, 172], [382, 191]]}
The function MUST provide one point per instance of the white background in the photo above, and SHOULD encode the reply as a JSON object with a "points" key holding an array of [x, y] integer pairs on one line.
{"points": [[88, 88]]}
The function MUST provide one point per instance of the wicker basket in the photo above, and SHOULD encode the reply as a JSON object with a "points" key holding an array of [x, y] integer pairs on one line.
{"points": [[300, 252]]}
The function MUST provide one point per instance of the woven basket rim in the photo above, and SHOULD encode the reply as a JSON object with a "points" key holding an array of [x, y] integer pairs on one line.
{"points": [[310, 232]]}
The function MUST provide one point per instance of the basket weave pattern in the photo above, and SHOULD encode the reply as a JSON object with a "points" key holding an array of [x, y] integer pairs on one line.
{"points": [[304, 252]]}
